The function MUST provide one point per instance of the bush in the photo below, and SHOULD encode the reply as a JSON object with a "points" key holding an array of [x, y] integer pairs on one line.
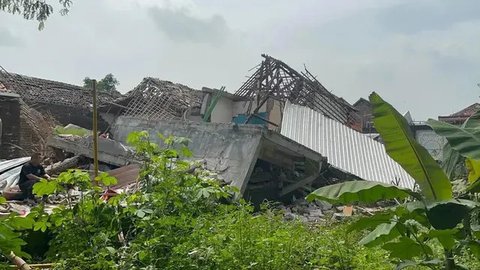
{"points": [[180, 220], [183, 220], [239, 239]]}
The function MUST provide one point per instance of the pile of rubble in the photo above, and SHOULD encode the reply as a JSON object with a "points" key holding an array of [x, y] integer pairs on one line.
{"points": [[319, 211]]}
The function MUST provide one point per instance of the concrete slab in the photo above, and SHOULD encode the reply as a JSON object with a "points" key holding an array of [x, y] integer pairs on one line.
{"points": [[109, 151], [230, 150]]}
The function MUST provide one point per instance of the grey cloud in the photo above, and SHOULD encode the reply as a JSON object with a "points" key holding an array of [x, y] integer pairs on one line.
{"points": [[180, 25], [416, 16], [8, 39]]}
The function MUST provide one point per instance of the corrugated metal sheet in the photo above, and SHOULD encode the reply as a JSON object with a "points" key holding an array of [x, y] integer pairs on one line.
{"points": [[345, 148], [10, 171]]}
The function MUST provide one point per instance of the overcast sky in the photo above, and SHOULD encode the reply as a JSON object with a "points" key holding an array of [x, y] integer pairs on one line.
{"points": [[422, 56]]}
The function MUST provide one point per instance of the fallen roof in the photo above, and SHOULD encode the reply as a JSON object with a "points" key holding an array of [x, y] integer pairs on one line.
{"points": [[157, 99], [35, 90], [345, 148], [12, 163], [277, 80], [360, 101]]}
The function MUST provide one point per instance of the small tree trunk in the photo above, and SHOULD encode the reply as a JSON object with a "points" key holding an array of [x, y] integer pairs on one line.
{"points": [[63, 165], [449, 261]]}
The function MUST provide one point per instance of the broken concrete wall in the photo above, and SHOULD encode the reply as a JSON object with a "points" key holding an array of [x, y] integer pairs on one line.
{"points": [[109, 151], [227, 149], [10, 115]]}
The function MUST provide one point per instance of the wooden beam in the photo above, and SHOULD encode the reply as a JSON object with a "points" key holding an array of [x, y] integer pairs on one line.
{"points": [[263, 119], [298, 184]]}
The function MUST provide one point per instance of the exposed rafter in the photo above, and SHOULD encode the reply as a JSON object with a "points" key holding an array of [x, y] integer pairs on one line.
{"points": [[275, 79], [157, 99], [41, 91]]}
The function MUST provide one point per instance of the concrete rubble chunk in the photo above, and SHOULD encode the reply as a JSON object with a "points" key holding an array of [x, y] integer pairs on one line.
{"points": [[109, 151]]}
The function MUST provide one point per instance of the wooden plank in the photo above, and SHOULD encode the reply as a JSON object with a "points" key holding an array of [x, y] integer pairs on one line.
{"points": [[298, 184]]}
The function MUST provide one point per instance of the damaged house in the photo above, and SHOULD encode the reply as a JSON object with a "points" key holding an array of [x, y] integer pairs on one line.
{"points": [[23, 130], [260, 100], [31, 107], [276, 82], [243, 138], [66, 103], [249, 139]]}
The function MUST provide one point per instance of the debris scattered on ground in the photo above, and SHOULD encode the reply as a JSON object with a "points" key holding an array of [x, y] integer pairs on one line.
{"points": [[322, 211]]}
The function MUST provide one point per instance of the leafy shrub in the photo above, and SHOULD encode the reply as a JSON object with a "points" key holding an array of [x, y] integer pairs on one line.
{"points": [[236, 238], [180, 220]]}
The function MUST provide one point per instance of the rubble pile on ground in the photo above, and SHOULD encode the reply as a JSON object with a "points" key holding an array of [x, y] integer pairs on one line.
{"points": [[322, 211]]}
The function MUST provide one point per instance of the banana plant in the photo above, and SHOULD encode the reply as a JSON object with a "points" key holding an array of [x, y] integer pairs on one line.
{"points": [[452, 157], [429, 214], [463, 142]]}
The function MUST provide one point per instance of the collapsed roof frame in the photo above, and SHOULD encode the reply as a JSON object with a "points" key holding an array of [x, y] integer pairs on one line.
{"points": [[275, 79], [40, 91], [156, 99]]}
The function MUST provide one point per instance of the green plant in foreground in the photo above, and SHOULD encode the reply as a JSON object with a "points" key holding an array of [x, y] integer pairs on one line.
{"points": [[409, 231], [184, 220], [13, 225]]}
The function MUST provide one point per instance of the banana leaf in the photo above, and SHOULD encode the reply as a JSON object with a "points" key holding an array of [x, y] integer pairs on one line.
{"points": [[360, 191], [448, 214], [451, 157], [402, 147], [464, 140], [473, 167]]}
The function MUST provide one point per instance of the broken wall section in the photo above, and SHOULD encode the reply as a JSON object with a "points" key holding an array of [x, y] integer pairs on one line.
{"points": [[230, 152], [10, 119], [262, 163]]}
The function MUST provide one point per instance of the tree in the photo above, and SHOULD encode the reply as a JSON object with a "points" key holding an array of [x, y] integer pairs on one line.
{"points": [[107, 84], [39, 10]]}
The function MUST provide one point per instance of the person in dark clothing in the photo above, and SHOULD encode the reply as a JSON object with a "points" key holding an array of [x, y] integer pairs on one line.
{"points": [[31, 173]]}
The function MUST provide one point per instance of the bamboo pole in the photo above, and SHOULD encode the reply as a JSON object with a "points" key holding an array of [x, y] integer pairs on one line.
{"points": [[36, 266], [18, 262], [95, 129]]}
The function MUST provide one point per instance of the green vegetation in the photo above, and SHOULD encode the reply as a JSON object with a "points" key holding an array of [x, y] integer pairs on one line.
{"points": [[34, 9], [74, 130], [411, 231], [107, 84], [176, 219]]}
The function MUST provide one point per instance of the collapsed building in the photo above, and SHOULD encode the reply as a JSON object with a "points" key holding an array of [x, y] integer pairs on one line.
{"points": [[23, 130], [248, 138], [242, 136], [31, 107], [66, 103]]}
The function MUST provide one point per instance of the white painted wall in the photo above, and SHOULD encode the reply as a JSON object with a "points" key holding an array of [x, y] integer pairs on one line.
{"points": [[275, 115], [223, 111]]}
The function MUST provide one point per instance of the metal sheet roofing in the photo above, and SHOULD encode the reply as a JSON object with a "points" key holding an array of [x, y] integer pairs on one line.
{"points": [[10, 171], [345, 148]]}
